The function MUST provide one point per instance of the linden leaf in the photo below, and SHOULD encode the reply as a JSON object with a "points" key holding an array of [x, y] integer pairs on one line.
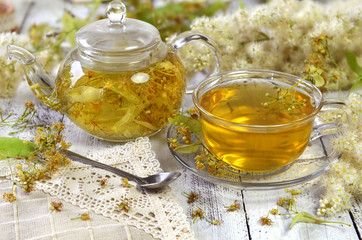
{"points": [[309, 218], [357, 84], [215, 7], [313, 69], [319, 71], [193, 124], [318, 80], [71, 25], [15, 148], [353, 64], [190, 148]]}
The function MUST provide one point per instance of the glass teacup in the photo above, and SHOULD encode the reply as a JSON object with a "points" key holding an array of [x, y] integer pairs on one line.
{"points": [[257, 121]]}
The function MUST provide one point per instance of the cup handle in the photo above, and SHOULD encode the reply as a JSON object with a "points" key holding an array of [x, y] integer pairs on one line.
{"points": [[330, 128], [189, 36]]}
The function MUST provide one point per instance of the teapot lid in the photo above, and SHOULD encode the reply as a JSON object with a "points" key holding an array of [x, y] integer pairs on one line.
{"points": [[117, 35]]}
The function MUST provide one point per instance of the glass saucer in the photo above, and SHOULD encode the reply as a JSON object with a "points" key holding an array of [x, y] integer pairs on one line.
{"points": [[315, 160]]}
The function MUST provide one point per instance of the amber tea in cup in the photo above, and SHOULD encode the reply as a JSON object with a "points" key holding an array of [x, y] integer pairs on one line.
{"points": [[248, 126]]}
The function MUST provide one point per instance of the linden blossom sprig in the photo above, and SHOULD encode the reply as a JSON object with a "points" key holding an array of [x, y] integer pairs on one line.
{"points": [[198, 213], [282, 99], [43, 157], [23, 122], [189, 126], [285, 94], [289, 204]]}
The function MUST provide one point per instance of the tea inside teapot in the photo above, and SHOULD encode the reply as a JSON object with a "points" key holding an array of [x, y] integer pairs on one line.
{"points": [[122, 105]]}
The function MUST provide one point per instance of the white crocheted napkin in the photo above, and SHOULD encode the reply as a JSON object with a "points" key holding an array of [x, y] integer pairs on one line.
{"points": [[156, 213]]}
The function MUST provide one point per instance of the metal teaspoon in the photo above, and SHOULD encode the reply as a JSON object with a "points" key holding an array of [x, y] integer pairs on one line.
{"points": [[155, 181]]}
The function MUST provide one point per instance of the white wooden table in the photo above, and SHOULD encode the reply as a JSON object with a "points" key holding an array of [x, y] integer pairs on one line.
{"points": [[242, 224]]}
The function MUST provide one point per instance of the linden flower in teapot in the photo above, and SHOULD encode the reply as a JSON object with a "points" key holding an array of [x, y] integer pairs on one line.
{"points": [[120, 82]]}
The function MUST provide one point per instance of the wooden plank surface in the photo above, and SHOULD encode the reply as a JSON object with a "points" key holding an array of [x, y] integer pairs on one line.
{"points": [[242, 224]]}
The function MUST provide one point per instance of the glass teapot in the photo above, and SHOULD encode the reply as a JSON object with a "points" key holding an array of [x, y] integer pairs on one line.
{"points": [[120, 82]]}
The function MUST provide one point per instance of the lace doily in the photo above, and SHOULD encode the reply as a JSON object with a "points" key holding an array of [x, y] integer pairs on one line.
{"points": [[157, 213]]}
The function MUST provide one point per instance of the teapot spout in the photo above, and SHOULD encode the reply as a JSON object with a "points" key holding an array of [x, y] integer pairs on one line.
{"points": [[42, 85]]}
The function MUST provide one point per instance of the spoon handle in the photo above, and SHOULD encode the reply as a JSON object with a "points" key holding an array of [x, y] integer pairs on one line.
{"points": [[79, 158]]}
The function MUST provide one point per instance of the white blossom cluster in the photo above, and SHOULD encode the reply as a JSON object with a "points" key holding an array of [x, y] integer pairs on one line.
{"points": [[344, 179], [10, 71], [278, 35]]}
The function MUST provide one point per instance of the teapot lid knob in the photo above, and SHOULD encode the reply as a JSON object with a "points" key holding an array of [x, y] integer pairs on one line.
{"points": [[116, 12]]}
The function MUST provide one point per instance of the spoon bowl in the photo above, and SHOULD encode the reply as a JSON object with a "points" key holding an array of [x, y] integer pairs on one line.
{"points": [[159, 180], [156, 181]]}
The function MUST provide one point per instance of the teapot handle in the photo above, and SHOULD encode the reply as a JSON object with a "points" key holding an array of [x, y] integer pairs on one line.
{"points": [[189, 36]]}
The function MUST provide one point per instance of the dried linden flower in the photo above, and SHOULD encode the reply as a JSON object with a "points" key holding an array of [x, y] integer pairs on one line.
{"points": [[84, 217], [213, 222], [56, 206], [124, 206], [125, 183], [197, 214], [10, 197], [265, 221], [234, 207], [103, 182], [192, 197]]}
